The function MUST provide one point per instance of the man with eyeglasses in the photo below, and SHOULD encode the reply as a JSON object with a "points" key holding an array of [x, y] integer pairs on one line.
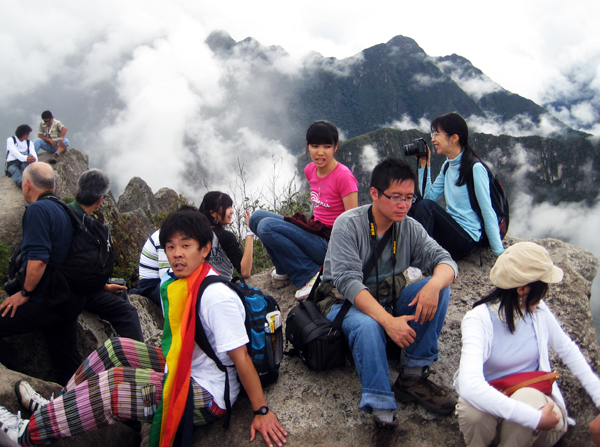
{"points": [[411, 316], [51, 137]]}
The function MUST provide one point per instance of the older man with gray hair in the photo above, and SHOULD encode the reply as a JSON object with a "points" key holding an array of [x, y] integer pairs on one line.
{"points": [[112, 303], [47, 237]]}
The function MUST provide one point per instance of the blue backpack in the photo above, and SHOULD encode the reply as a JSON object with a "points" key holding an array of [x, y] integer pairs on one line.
{"points": [[265, 348]]}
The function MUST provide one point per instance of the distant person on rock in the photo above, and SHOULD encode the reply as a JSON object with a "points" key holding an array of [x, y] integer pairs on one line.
{"points": [[174, 388], [457, 228], [47, 236], [19, 153], [51, 137], [111, 304], [297, 246], [505, 338], [369, 249], [225, 254]]}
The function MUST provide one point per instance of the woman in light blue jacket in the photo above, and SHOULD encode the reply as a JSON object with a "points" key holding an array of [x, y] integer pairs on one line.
{"points": [[458, 227]]}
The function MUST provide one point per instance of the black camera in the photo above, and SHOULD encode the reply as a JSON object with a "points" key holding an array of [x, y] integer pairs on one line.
{"points": [[418, 147], [13, 286]]}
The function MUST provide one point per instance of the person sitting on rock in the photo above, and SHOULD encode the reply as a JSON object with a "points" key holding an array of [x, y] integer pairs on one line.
{"points": [[225, 254], [51, 136], [174, 388], [19, 153], [412, 317], [47, 236], [112, 303], [152, 267], [508, 332], [297, 245]]}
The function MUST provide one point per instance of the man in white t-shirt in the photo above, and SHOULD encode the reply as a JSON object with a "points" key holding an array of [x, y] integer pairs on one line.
{"points": [[135, 374]]}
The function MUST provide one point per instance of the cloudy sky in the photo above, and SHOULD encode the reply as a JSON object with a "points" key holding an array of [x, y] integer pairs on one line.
{"points": [[137, 87]]}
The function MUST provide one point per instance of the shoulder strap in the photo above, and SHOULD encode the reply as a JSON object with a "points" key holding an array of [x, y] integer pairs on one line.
{"points": [[202, 340]]}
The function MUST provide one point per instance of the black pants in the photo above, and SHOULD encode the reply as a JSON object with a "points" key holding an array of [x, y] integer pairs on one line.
{"points": [[118, 311], [443, 228], [59, 325]]}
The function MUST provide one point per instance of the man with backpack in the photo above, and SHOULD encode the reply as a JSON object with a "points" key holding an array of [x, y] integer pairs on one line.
{"points": [[47, 237], [111, 303], [133, 374], [19, 153], [411, 316]]}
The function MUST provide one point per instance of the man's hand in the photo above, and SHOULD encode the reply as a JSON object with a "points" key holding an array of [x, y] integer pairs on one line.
{"points": [[52, 142], [399, 330], [270, 429], [31, 159], [10, 304], [549, 418], [114, 288], [426, 301], [62, 145]]}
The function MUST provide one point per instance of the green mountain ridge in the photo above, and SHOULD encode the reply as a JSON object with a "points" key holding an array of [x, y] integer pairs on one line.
{"points": [[556, 171]]}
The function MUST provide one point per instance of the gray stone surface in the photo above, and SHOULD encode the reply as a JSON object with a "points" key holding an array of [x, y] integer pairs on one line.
{"points": [[137, 195]]}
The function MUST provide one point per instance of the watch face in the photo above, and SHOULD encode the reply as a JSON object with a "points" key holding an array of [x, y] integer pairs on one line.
{"points": [[262, 411]]}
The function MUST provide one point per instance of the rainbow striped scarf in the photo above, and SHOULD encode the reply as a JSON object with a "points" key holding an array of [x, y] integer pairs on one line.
{"points": [[179, 303]]}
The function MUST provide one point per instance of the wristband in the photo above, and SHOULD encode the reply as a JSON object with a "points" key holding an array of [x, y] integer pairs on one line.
{"points": [[249, 232]]}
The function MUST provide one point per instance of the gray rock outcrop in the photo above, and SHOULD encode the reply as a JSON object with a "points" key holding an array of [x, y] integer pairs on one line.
{"points": [[320, 409], [137, 195]]}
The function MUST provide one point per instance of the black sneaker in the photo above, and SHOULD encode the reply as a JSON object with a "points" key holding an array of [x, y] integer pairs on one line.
{"points": [[420, 389], [385, 434]]}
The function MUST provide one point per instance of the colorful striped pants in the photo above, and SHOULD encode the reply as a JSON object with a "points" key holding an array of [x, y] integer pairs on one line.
{"points": [[120, 381]]}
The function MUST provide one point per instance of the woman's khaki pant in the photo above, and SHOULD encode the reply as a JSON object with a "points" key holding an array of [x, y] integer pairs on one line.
{"points": [[482, 429]]}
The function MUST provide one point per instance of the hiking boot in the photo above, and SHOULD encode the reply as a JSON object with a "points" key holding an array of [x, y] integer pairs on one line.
{"points": [[53, 159], [277, 277], [12, 424], [29, 398], [413, 388], [385, 434], [303, 293]]}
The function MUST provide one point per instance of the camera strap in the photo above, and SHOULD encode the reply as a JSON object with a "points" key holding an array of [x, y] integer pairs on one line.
{"points": [[377, 249]]}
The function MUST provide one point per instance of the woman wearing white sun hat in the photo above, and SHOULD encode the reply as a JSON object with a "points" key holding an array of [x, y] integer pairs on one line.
{"points": [[507, 333]]}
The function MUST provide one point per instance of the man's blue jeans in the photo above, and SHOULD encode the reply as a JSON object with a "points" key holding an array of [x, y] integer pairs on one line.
{"points": [[16, 170], [367, 341], [293, 251], [39, 144]]}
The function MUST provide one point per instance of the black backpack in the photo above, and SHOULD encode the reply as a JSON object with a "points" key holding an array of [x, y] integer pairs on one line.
{"points": [[265, 349], [90, 261], [498, 199]]}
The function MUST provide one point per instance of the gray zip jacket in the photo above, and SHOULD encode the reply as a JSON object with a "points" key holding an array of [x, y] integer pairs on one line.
{"points": [[350, 249]]}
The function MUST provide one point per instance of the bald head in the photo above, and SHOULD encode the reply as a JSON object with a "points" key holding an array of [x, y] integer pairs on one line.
{"points": [[39, 177]]}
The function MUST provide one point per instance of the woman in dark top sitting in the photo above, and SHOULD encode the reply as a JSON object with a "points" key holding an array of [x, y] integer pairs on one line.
{"points": [[225, 254]]}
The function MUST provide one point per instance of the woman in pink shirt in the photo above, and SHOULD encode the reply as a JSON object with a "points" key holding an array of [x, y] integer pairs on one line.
{"points": [[297, 246]]}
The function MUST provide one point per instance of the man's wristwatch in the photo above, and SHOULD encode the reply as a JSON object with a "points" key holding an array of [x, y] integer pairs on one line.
{"points": [[261, 411], [25, 293]]}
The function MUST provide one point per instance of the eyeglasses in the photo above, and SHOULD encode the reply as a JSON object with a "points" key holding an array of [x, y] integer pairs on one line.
{"points": [[435, 134], [395, 199], [48, 121]]}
